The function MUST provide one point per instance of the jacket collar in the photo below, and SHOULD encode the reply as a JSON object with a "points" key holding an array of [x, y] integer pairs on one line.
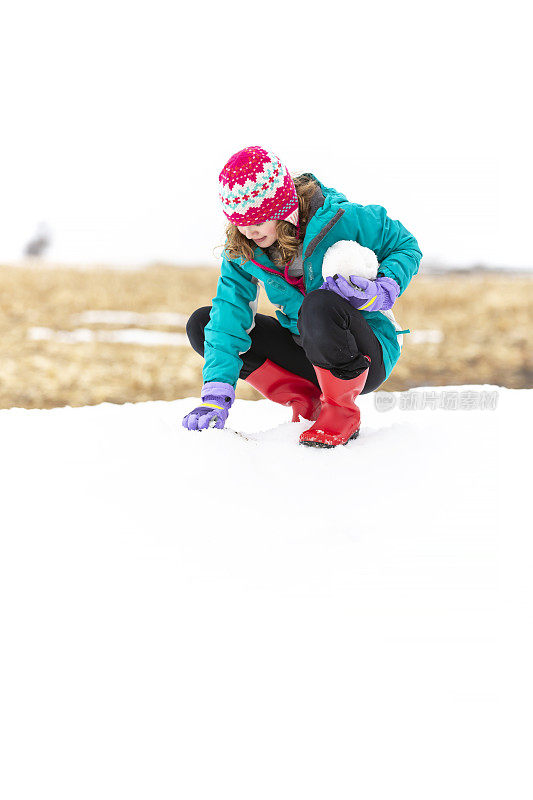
{"points": [[316, 204]]}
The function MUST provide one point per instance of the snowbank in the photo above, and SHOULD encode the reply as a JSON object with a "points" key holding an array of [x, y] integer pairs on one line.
{"points": [[207, 614]]}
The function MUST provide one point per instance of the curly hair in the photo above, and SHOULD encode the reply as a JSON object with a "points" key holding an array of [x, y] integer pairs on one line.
{"points": [[238, 246]]}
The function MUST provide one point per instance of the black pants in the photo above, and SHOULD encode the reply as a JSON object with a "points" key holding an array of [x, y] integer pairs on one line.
{"points": [[334, 336]]}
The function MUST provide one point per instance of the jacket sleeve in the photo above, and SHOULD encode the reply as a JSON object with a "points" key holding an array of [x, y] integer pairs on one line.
{"points": [[231, 320], [396, 249]]}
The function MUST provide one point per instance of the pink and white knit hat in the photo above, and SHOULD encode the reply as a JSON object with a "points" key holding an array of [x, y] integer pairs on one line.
{"points": [[255, 187]]}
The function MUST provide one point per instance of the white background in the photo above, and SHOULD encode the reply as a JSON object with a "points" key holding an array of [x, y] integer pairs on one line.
{"points": [[118, 117]]}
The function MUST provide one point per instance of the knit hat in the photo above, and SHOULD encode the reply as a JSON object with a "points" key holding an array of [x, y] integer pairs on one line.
{"points": [[255, 187]]}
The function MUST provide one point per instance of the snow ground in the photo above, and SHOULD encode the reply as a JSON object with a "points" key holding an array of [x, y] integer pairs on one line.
{"points": [[202, 615], [140, 336], [151, 338], [431, 266], [111, 317]]}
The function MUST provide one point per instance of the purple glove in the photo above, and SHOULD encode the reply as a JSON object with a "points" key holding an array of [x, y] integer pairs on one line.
{"points": [[217, 401], [378, 295]]}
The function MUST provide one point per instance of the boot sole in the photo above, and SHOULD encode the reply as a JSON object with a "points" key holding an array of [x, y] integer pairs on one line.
{"points": [[329, 446]]}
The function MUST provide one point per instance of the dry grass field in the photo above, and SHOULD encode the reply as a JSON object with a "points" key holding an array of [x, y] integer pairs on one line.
{"points": [[484, 323]]}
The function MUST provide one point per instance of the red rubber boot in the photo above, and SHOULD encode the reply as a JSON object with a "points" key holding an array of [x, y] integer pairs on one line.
{"points": [[340, 418], [282, 386]]}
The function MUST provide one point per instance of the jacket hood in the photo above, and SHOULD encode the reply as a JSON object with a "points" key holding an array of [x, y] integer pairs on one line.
{"points": [[325, 208], [333, 195]]}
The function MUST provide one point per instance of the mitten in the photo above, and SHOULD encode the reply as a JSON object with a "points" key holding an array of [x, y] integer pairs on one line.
{"points": [[213, 413], [365, 294]]}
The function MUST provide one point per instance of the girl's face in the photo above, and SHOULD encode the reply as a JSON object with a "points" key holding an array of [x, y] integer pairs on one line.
{"points": [[263, 235]]}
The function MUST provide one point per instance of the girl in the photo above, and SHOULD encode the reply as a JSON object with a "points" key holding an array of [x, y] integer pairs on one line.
{"points": [[331, 340]]}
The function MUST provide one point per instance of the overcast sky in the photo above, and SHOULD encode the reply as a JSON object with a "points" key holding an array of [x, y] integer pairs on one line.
{"points": [[118, 117]]}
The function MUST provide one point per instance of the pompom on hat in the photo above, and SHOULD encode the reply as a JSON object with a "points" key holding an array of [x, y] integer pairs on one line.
{"points": [[255, 187]]}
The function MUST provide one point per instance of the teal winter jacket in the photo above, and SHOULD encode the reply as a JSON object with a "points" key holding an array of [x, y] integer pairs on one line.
{"points": [[227, 334]]}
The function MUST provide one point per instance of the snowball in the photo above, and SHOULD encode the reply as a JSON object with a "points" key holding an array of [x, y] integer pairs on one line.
{"points": [[350, 258]]}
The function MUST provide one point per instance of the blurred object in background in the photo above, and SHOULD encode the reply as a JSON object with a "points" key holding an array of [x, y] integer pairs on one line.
{"points": [[39, 243]]}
